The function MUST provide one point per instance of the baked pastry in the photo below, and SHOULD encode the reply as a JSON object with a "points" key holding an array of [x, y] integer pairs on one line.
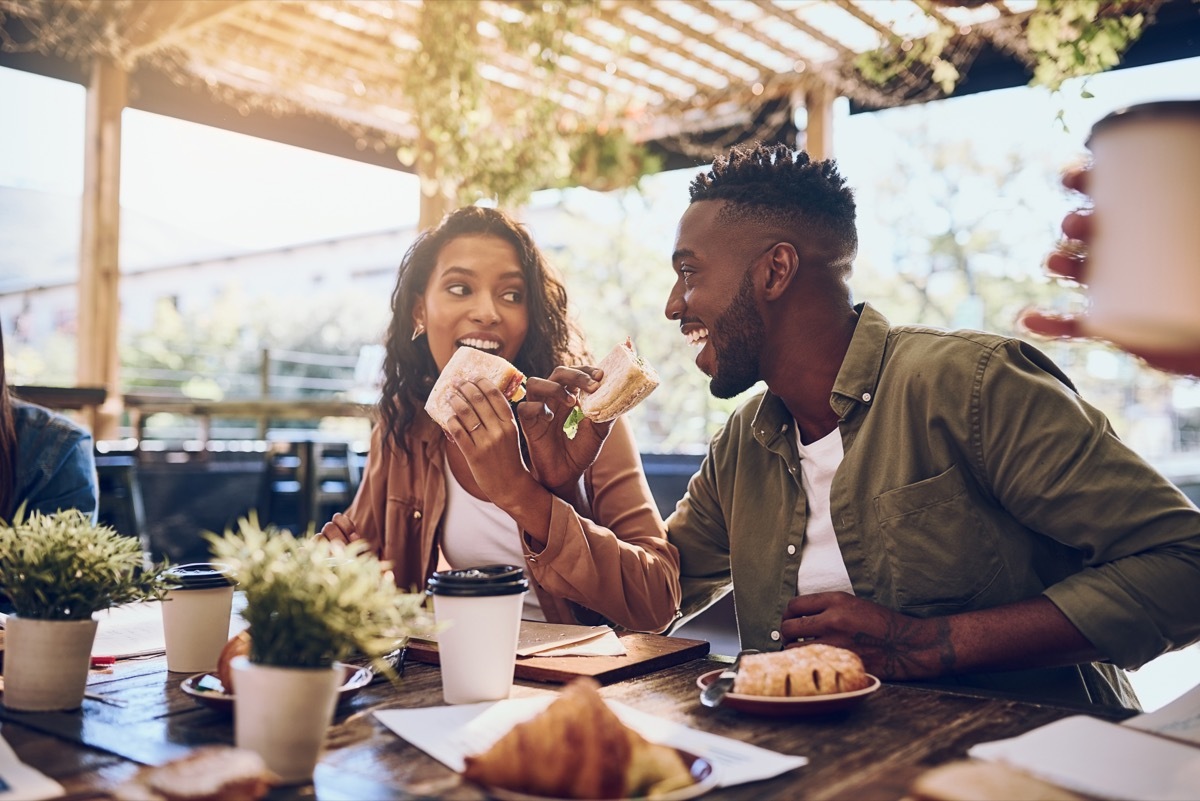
{"points": [[627, 380], [209, 773], [471, 364], [808, 670], [238, 645], [578, 748]]}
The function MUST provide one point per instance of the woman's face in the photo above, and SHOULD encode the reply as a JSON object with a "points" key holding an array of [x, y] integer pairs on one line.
{"points": [[475, 298]]}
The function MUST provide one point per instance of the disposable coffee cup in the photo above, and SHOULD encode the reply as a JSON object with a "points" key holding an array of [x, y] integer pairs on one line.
{"points": [[1143, 259], [478, 611], [196, 616]]}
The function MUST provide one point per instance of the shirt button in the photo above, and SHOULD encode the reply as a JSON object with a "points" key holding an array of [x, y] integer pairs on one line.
{"points": [[866, 396], [791, 550], [417, 515], [775, 636], [785, 427]]}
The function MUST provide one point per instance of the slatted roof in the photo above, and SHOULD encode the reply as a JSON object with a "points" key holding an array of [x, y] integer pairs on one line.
{"points": [[665, 70]]}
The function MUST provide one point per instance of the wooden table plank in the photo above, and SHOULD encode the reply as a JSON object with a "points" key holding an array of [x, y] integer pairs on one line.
{"points": [[870, 751]]}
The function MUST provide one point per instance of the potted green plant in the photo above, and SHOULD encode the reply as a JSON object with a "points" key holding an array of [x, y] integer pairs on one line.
{"points": [[309, 604], [59, 570]]}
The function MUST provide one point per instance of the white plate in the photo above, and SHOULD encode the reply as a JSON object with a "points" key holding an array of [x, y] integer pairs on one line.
{"points": [[703, 772], [794, 706]]}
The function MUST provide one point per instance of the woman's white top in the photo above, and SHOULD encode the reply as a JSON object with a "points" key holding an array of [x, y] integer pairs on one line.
{"points": [[476, 533], [822, 568]]}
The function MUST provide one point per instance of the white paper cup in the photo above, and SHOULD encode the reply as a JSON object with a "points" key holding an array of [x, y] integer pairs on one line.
{"points": [[1143, 269], [196, 617], [478, 611]]}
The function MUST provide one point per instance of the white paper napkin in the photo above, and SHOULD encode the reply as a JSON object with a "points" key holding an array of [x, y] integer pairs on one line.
{"points": [[449, 733], [24, 783], [1094, 757]]}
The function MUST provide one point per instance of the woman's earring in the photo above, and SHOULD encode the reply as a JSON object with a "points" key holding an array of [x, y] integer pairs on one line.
{"points": [[418, 331]]}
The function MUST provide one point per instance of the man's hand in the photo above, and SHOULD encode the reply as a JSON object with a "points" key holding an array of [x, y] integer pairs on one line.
{"points": [[558, 461], [891, 645]]}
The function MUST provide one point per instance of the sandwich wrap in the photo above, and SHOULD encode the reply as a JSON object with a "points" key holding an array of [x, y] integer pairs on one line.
{"points": [[471, 364]]}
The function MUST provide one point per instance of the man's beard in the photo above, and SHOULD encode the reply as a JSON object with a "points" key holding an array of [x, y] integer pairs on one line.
{"points": [[737, 339]]}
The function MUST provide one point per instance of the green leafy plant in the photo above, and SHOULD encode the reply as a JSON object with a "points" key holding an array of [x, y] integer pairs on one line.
{"points": [[63, 566], [1062, 39], [310, 602]]}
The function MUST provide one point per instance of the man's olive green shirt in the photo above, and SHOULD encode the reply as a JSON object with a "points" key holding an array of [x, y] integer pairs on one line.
{"points": [[973, 476]]}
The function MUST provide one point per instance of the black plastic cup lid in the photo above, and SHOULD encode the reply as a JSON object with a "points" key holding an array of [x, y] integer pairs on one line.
{"points": [[201, 575], [478, 581], [1159, 109]]}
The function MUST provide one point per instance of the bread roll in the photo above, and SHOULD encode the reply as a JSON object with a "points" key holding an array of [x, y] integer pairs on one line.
{"points": [[209, 773], [627, 380], [238, 645], [471, 364], [808, 670], [578, 748]]}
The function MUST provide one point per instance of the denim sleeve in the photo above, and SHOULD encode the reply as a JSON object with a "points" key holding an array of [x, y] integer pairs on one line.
{"points": [[70, 483]]}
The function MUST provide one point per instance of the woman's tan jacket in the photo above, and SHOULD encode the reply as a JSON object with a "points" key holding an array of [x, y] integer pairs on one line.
{"points": [[611, 562]]}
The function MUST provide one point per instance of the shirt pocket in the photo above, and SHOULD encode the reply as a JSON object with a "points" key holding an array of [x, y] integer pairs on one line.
{"points": [[936, 545]]}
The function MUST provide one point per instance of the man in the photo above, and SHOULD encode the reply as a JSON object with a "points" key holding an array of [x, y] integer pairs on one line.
{"points": [[941, 502]]}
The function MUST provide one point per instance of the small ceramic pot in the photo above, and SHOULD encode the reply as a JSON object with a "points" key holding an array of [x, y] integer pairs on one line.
{"points": [[46, 663], [282, 713]]}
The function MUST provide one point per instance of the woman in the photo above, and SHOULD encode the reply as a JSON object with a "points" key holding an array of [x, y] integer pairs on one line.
{"points": [[46, 461], [593, 549]]}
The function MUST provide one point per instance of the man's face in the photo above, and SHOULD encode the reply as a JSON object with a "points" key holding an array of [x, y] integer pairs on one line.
{"points": [[713, 299]]}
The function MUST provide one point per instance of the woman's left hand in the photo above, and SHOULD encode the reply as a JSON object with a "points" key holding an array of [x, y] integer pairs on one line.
{"points": [[485, 430]]}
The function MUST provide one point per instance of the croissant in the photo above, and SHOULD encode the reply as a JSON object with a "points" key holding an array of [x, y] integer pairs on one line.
{"points": [[808, 670], [578, 748]]}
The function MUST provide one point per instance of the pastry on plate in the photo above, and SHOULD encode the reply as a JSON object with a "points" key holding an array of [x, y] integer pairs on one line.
{"points": [[578, 748], [208, 773], [807, 670]]}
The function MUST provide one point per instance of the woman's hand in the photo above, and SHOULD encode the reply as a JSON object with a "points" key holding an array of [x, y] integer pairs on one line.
{"points": [[484, 429], [558, 461], [1069, 260], [340, 530]]}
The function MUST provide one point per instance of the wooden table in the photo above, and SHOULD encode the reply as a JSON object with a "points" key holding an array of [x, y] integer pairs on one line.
{"points": [[872, 751]]}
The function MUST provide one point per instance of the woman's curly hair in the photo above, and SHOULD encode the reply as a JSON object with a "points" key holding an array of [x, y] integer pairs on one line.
{"points": [[409, 370]]}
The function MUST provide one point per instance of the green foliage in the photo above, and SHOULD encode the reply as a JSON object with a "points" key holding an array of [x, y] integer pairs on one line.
{"points": [[62, 566], [1065, 39], [310, 602], [478, 142], [1075, 38]]}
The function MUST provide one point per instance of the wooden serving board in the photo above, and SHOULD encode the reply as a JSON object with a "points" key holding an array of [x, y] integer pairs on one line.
{"points": [[646, 653]]}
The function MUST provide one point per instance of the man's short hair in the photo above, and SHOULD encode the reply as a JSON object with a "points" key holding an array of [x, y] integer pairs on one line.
{"points": [[773, 186]]}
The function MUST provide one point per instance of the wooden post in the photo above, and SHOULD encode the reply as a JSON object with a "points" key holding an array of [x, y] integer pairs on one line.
{"points": [[819, 100], [99, 264], [435, 203], [264, 386]]}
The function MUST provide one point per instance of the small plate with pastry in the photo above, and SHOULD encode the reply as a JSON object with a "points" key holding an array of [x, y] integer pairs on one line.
{"points": [[577, 748], [216, 690], [812, 679]]}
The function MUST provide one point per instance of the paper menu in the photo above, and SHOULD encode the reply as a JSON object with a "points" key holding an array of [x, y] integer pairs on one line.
{"points": [[1179, 719], [19, 781], [1094, 757], [449, 733], [537, 637]]}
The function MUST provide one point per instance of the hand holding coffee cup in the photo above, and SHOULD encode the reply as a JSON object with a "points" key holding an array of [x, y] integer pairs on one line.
{"points": [[1138, 246]]}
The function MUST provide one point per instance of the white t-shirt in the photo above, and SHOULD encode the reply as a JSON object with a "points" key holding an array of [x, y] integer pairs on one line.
{"points": [[822, 568], [476, 533]]}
